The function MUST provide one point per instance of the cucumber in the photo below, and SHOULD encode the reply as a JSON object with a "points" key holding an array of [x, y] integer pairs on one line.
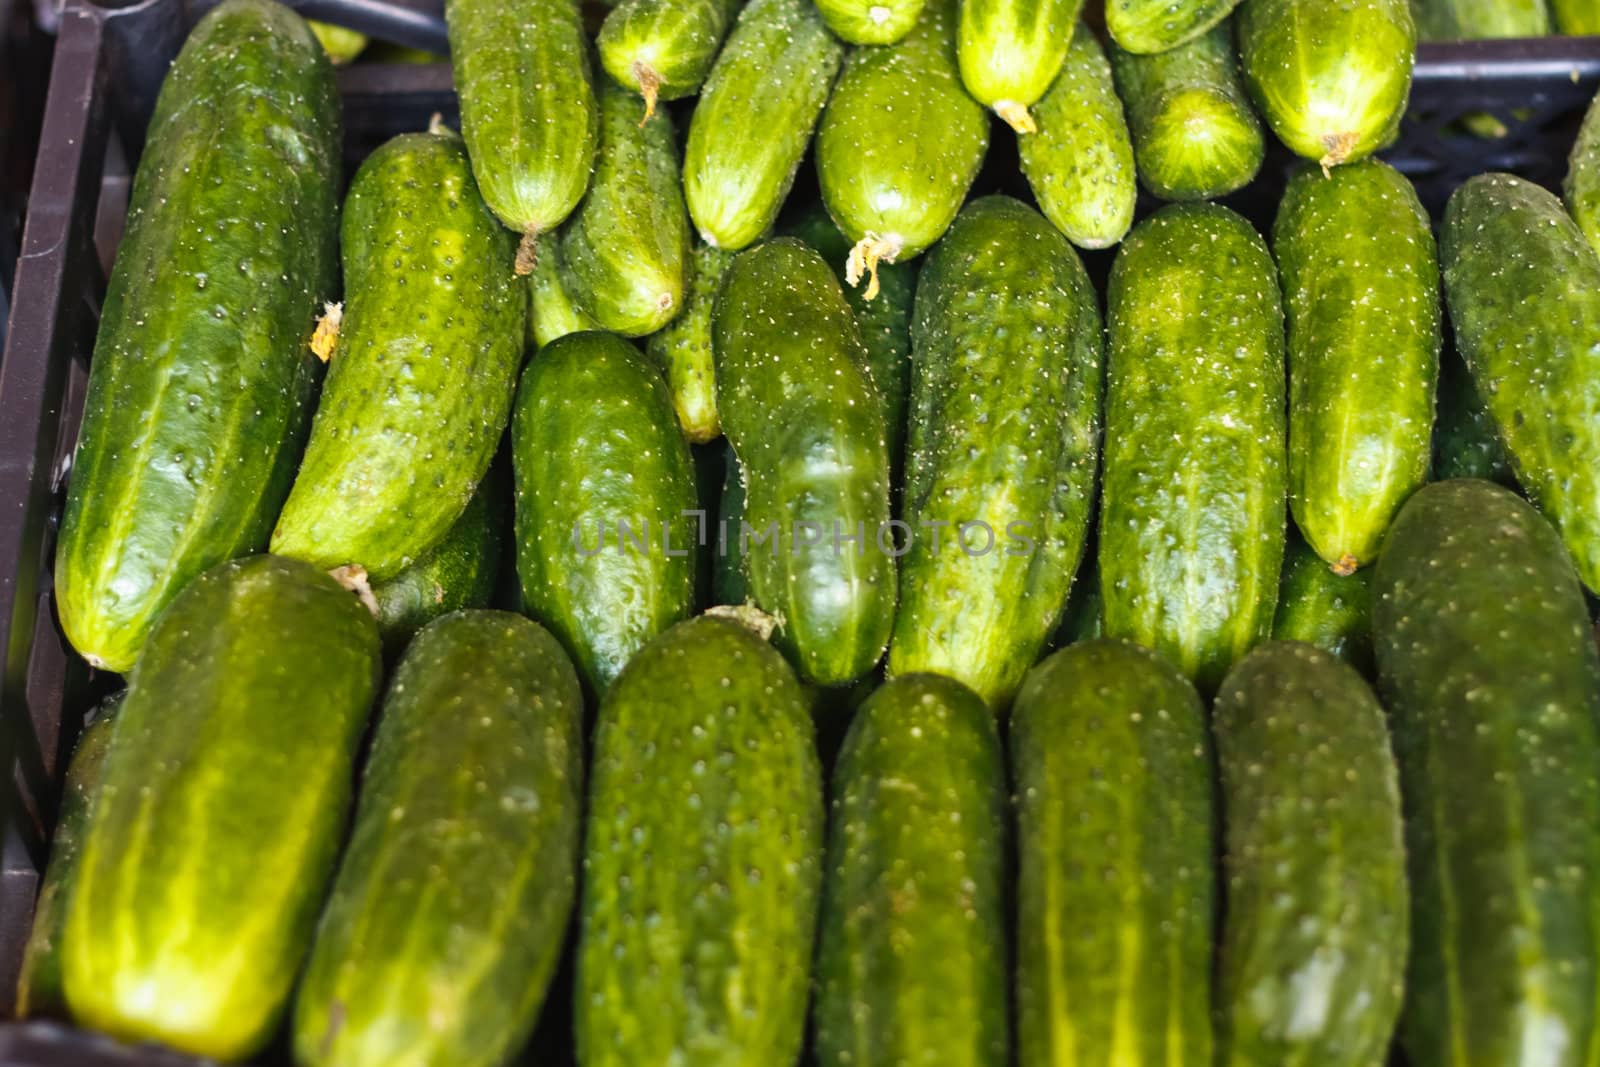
{"points": [[1582, 186], [1080, 162], [754, 119], [528, 109], [552, 312], [1465, 442], [1488, 668], [229, 251], [911, 961], [39, 987], [341, 44], [1319, 607], [1576, 18], [1011, 50], [1081, 619], [1524, 292], [702, 857], [1192, 507], [1465, 20], [1003, 443], [683, 348], [728, 585], [1112, 777], [895, 190], [1150, 26], [663, 49], [802, 413], [605, 491], [1364, 338], [476, 767], [869, 22], [1195, 135], [1313, 950], [422, 374], [625, 254], [1331, 77], [198, 887]]}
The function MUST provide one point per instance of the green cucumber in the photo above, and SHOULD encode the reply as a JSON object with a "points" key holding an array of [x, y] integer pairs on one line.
{"points": [[201, 385], [1003, 444], [663, 49], [198, 887], [1331, 77], [1320, 607], [1466, 20], [911, 961], [894, 194], [754, 118], [528, 109], [605, 491], [39, 986], [1150, 26], [869, 22], [1576, 18], [552, 312], [451, 904], [1010, 51], [625, 253], [1112, 775], [1361, 292], [802, 413], [728, 585], [1195, 135], [702, 857], [1080, 621], [1582, 186], [1489, 670], [683, 348], [1465, 442], [341, 44], [1312, 955], [1192, 507], [1080, 162], [422, 373], [1524, 292]]}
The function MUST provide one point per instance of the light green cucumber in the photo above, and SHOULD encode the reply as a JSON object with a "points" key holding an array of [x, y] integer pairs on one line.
{"points": [[683, 348], [1011, 50], [663, 49]]}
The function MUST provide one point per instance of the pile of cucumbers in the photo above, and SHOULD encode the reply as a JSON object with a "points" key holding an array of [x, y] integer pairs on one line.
{"points": [[1196, 668]]}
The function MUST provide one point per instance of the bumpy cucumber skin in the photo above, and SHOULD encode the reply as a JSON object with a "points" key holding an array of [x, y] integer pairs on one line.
{"points": [[1488, 667], [1080, 162], [477, 765], [1331, 77], [625, 253], [252, 694], [754, 119], [1582, 186], [673, 41], [201, 385], [1320, 608], [700, 891], [1314, 864], [901, 188], [1465, 20], [1360, 278], [594, 444], [803, 415], [683, 348], [1466, 443], [728, 585], [1150, 26], [421, 378], [1192, 506], [1005, 429], [552, 313], [871, 21], [1195, 135], [528, 109], [1524, 292], [1010, 51], [1576, 18], [911, 963], [1115, 829]]}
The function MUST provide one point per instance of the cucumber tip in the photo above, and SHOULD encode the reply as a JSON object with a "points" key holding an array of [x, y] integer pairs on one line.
{"points": [[527, 252], [1016, 116], [1346, 566]]}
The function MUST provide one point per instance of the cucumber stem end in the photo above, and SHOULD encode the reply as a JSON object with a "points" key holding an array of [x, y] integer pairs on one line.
{"points": [[1016, 116], [864, 258], [527, 251], [649, 87]]}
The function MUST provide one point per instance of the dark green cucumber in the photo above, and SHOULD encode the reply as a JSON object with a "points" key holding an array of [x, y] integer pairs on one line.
{"points": [[869, 22], [754, 119], [422, 374], [1195, 135], [1582, 186], [728, 585], [911, 962], [1312, 955], [198, 887], [1150, 26], [1466, 20], [1331, 77], [341, 44], [625, 254], [200, 391], [1002, 447], [605, 487], [1080, 162], [476, 770], [1489, 670], [1192, 506], [1361, 293], [663, 49], [39, 986], [1576, 18], [683, 348], [528, 109], [702, 857], [1319, 607], [1465, 441], [800, 409], [1112, 775], [1011, 50], [894, 188], [1524, 291], [552, 312]]}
